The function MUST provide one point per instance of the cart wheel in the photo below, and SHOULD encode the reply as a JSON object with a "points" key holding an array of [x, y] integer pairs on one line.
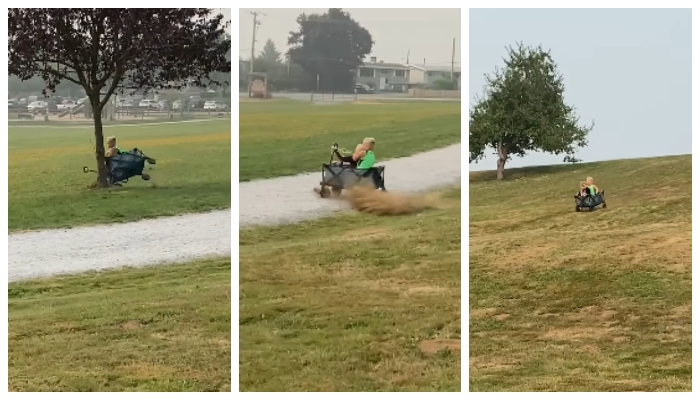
{"points": [[590, 209], [324, 192], [145, 177], [336, 191], [605, 205], [577, 209]]}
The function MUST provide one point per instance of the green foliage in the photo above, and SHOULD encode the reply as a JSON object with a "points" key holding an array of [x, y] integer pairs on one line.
{"points": [[523, 109], [330, 45], [270, 52], [444, 84]]}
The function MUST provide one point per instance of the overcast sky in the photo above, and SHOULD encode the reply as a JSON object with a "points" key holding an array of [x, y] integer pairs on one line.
{"points": [[227, 16], [629, 69], [427, 33]]}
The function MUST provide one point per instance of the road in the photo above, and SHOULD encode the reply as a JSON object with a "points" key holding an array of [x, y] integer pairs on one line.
{"points": [[351, 97]]}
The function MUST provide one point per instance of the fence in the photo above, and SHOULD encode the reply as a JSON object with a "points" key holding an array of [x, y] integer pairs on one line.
{"points": [[432, 93]]}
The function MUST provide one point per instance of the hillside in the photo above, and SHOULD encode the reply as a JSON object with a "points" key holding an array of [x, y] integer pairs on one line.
{"points": [[590, 301]]}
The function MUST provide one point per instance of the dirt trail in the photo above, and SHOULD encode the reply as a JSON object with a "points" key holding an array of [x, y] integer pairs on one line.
{"points": [[291, 199]]}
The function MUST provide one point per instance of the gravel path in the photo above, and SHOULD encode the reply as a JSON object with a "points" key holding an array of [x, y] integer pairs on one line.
{"points": [[291, 198], [181, 238], [147, 242]]}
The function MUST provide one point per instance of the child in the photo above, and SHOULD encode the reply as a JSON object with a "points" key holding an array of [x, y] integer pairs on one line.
{"points": [[583, 189]]}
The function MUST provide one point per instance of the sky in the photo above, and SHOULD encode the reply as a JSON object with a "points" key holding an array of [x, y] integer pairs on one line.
{"points": [[628, 69], [426, 33], [227, 16]]}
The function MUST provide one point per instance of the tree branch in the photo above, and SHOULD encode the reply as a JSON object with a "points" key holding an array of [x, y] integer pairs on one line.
{"points": [[115, 83]]}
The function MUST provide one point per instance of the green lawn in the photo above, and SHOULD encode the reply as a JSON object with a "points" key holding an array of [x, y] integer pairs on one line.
{"points": [[165, 328], [290, 137], [373, 306], [590, 301], [48, 189]]}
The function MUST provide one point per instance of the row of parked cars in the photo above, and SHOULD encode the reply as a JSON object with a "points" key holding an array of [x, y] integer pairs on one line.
{"points": [[32, 105], [164, 105], [35, 106]]}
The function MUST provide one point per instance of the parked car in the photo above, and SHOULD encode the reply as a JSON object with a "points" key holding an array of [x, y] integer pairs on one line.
{"points": [[67, 105], [214, 105], [196, 102], [52, 106], [363, 88], [148, 103], [37, 107], [164, 105]]}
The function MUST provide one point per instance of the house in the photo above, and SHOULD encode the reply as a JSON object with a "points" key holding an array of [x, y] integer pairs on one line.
{"points": [[421, 75], [383, 76]]}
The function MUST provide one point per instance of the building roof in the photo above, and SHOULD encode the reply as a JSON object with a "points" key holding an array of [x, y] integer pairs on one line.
{"points": [[384, 65], [435, 68]]}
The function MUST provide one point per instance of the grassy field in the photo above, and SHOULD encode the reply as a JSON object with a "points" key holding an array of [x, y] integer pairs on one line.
{"points": [[371, 306], [290, 137], [590, 301], [48, 189], [163, 328]]}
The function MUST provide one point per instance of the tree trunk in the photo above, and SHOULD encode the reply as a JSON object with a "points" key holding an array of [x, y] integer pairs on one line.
{"points": [[502, 158], [102, 172], [500, 167]]}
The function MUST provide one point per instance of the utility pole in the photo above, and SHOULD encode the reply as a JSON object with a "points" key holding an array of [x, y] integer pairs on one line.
{"points": [[255, 29], [408, 54], [252, 48], [452, 71]]}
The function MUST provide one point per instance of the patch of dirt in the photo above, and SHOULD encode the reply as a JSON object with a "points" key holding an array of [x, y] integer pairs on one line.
{"points": [[478, 313], [425, 290], [144, 370], [682, 312], [502, 317], [590, 348], [577, 333], [377, 202], [593, 315], [433, 346], [131, 325], [491, 363]]}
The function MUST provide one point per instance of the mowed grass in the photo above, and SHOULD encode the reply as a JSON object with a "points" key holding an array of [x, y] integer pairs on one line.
{"points": [[290, 137], [352, 303], [48, 189], [165, 328], [590, 301]]}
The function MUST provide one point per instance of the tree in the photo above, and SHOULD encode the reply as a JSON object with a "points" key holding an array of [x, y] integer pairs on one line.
{"points": [[270, 53], [523, 109], [329, 46], [444, 84], [223, 78], [108, 49]]}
